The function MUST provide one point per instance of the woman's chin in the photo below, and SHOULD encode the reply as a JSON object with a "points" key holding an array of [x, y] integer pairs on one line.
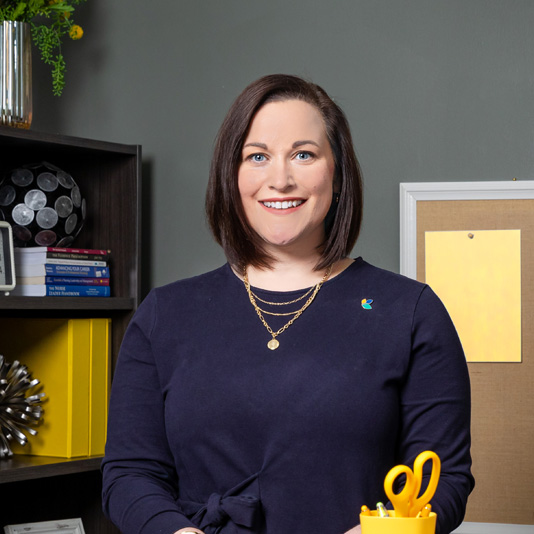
{"points": [[286, 243]]}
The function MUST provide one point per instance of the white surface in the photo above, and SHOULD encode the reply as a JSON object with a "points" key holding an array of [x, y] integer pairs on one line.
{"points": [[493, 528], [61, 526]]}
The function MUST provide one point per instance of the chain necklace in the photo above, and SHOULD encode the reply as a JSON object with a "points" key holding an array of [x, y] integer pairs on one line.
{"points": [[286, 314], [283, 303], [273, 343], [280, 303]]}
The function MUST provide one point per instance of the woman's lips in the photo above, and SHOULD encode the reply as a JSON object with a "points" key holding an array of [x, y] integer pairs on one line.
{"points": [[282, 204]]}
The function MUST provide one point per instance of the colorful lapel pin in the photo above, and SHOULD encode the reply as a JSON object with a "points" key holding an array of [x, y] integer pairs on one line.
{"points": [[366, 304]]}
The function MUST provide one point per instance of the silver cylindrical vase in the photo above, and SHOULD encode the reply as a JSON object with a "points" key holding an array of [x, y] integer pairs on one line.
{"points": [[15, 74]]}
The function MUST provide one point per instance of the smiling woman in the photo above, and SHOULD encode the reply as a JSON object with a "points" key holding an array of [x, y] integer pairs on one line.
{"points": [[286, 177], [272, 395], [312, 107]]}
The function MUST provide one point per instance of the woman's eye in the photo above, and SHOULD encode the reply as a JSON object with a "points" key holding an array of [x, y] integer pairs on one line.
{"points": [[304, 156], [258, 158]]}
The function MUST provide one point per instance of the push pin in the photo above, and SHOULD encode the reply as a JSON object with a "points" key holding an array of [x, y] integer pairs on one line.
{"points": [[470, 236]]}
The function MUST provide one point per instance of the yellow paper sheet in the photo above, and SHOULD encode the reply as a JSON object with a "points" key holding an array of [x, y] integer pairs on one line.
{"points": [[477, 275]]}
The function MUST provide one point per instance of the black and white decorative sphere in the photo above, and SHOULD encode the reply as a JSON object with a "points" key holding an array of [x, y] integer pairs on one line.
{"points": [[43, 204]]}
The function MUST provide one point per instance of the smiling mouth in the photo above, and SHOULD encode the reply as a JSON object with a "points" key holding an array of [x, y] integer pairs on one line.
{"points": [[284, 204]]}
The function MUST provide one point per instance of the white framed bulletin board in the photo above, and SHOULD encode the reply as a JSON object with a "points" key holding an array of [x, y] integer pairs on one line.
{"points": [[473, 243]]}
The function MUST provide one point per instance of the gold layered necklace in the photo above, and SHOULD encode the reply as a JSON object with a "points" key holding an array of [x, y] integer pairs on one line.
{"points": [[273, 343]]}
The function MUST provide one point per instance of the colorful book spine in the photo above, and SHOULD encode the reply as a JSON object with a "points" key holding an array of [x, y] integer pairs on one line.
{"points": [[43, 290], [64, 255], [31, 250], [55, 255], [75, 281], [78, 354], [56, 261], [76, 291], [99, 384], [61, 270]]}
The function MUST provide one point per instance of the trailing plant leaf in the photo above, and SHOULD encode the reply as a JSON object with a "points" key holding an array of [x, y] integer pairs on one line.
{"points": [[58, 75], [46, 40]]}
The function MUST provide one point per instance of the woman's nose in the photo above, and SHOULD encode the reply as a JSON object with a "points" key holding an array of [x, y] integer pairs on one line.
{"points": [[281, 177]]}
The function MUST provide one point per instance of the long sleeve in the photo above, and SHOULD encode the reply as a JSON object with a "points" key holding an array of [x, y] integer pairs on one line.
{"points": [[435, 408], [139, 493]]}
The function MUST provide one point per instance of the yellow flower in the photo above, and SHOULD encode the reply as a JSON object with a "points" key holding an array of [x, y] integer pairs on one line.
{"points": [[75, 32]]}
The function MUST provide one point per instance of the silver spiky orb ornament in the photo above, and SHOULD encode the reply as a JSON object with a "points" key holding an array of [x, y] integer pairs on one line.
{"points": [[17, 411]]}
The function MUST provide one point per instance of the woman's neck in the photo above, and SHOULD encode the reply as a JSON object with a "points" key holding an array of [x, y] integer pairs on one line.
{"points": [[291, 275]]}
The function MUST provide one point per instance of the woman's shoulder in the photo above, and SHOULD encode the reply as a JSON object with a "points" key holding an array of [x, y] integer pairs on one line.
{"points": [[369, 274], [198, 284], [183, 296], [392, 291]]}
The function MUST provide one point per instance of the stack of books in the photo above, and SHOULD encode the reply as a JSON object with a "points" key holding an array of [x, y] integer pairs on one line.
{"points": [[61, 272]]}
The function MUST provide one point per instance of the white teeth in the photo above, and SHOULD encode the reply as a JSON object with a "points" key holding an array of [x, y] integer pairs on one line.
{"points": [[283, 205]]}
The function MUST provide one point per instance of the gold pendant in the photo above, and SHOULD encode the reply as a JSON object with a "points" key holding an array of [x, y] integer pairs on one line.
{"points": [[273, 344]]}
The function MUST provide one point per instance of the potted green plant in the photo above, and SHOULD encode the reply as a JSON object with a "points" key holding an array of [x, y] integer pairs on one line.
{"points": [[50, 21]]}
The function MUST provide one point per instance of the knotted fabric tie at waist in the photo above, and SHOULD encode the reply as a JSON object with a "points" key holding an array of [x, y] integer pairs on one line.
{"points": [[238, 514]]}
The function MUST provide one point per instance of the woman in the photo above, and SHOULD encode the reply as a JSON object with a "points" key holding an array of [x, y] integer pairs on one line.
{"points": [[273, 394]]}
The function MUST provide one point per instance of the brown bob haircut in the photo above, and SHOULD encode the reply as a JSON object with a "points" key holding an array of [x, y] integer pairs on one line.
{"points": [[224, 209]]}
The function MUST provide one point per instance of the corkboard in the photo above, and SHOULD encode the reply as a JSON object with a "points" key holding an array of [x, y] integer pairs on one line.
{"points": [[502, 393]]}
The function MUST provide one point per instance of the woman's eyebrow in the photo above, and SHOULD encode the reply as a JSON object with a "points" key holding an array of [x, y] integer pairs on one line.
{"points": [[259, 145], [296, 144]]}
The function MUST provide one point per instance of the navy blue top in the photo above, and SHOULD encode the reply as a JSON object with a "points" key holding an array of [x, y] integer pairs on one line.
{"points": [[210, 428]]}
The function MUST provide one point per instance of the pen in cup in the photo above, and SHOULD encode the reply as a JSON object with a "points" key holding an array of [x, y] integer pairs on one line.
{"points": [[381, 509]]}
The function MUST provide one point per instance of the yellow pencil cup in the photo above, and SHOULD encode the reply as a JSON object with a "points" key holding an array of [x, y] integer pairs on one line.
{"points": [[373, 524]]}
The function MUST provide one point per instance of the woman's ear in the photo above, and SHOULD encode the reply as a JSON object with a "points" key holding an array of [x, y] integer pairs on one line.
{"points": [[337, 185], [330, 216]]}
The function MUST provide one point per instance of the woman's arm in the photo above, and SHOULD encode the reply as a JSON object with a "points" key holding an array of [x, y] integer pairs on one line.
{"points": [[436, 408], [139, 477]]}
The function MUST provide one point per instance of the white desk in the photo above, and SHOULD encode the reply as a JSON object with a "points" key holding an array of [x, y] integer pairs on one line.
{"points": [[493, 528]]}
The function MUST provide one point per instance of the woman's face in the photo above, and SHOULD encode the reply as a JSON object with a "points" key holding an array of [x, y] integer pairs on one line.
{"points": [[286, 176]]}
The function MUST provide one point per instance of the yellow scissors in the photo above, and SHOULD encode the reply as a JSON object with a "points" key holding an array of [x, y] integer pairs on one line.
{"points": [[406, 502]]}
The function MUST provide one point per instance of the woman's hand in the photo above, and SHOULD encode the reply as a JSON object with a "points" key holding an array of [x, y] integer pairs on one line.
{"points": [[355, 530]]}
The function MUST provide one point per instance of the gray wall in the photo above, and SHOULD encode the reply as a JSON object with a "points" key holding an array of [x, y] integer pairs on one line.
{"points": [[435, 90]]}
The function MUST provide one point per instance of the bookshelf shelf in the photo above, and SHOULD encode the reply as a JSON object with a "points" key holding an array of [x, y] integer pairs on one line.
{"points": [[37, 488], [21, 467], [66, 303]]}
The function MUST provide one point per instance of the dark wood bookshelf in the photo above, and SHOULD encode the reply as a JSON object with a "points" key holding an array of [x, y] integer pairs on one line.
{"points": [[65, 303], [23, 467], [35, 488]]}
